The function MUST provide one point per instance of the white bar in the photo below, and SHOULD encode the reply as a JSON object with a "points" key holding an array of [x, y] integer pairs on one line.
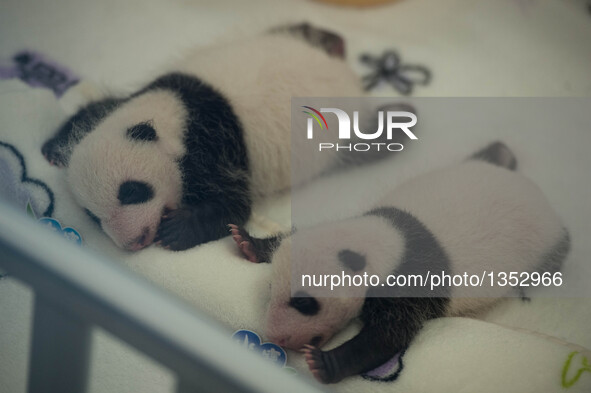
{"points": [[59, 350], [158, 324]]}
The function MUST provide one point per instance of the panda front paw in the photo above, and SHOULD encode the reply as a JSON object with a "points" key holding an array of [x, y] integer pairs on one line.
{"points": [[320, 364], [244, 242], [187, 227], [54, 153]]}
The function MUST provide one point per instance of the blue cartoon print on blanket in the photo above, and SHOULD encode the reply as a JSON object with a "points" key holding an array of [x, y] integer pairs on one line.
{"points": [[20, 190], [28, 194]]}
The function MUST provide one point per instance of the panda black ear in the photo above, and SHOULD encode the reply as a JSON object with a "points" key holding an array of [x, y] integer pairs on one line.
{"points": [[352, 260], [497, 154], [142, 132]]}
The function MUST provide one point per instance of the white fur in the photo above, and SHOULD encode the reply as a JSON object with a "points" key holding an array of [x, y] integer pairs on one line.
{"points": [[106, 158], [258, 75], [485, 218], [289, 328], [315, 251]]}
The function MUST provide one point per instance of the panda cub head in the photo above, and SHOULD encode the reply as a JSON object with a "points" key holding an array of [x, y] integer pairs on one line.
{"points": [[125, 173], [350, 247]]}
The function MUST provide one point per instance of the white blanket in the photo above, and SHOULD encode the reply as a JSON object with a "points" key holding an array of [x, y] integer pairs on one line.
{"points": [[471, 53]]}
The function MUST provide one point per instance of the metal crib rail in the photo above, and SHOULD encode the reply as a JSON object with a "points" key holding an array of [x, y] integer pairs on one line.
{"points": [[76, 290]]}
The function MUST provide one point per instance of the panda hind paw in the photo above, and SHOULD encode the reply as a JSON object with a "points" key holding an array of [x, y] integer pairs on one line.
{"points": [[243, 241]]}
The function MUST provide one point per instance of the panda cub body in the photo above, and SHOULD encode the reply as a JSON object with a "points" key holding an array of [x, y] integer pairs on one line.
{"points": [[473, 217], [178, 160]]}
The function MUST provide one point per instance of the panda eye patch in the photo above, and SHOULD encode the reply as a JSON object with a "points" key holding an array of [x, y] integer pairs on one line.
{"points": [[134, 192], [304, 303], [142, 132], [352, 260], [93, 217]]}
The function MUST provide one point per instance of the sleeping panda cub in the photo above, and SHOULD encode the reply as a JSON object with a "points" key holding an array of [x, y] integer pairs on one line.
{"points": [[176, 161], [475, 216]]}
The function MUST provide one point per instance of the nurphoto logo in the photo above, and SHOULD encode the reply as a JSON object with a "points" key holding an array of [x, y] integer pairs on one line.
{"points": [[395, 121]]}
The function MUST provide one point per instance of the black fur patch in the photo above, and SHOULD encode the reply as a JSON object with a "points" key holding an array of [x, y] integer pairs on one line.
{"points": [[215, 170], [215, 167], [134, 192], [390, 323], [497, 154], [304, 304], [553, 258], [422, 253], [352, 260], [142, 132], [216, 152], [57, 150]]}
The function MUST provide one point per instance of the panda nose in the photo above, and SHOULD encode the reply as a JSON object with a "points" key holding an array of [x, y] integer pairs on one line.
{"points": [[142, 241]]}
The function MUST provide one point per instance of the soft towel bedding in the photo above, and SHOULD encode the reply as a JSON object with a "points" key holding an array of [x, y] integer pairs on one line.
{"points": [[536, 346]]}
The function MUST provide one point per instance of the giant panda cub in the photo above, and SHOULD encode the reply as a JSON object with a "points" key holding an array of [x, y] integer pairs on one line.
{"points": [[474, 216], [176, 161]]}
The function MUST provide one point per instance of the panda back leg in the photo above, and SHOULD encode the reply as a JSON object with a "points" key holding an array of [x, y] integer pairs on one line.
{"points": [[325, 40], [497, 153], [192, 225], [255, 250]]}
